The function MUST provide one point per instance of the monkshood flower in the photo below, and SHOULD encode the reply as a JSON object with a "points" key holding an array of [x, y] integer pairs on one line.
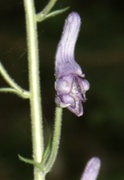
{"points": [[92, 169], [70, 84]]}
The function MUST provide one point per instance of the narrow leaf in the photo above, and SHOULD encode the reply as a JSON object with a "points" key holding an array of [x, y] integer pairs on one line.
{"points": [[47, 151], [41, 17], [28, 161]]}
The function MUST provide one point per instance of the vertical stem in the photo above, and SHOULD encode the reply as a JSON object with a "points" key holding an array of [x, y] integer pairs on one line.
{"points": [[56, 139], [34, 85]]}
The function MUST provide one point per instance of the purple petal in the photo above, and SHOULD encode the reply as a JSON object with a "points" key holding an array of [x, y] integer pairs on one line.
{"points": [[64, 84], [84, 86], [78, 109], [65, 101], [65, 62], [92, 169]]}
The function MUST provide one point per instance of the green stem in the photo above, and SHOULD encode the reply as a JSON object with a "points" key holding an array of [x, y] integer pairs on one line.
{"points": [[18, 90], [49, 6], [34, 85], [56, 139], [14, 91], [41, 16]]}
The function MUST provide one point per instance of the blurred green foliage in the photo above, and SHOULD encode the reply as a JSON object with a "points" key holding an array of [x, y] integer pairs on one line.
{"points": [[100, 52]]}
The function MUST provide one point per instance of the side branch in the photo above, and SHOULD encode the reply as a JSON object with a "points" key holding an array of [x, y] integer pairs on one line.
{"points": [[15, 87]]}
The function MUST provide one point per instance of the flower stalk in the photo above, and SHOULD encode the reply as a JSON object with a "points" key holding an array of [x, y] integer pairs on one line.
{"points": [[56, 139]]}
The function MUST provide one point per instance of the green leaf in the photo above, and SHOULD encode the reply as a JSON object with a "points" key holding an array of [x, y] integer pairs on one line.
{"points": [[28, 161], [47, 152], [41, 17]]}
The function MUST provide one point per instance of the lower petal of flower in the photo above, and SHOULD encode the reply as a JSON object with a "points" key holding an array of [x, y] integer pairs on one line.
{"points": [[78, 109], [65, 100]]}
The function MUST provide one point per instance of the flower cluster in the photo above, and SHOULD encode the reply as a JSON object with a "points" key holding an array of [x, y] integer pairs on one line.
{"points": [[70, 84]]}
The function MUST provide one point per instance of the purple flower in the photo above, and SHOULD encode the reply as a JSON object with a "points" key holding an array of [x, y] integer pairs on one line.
{"points": [[70, 84], [92, 169]]}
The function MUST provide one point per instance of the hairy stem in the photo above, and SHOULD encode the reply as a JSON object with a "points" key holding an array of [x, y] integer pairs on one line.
{"points": [[44, 14], [34, 85], [16, 88], [56, 139], [49, 6]]}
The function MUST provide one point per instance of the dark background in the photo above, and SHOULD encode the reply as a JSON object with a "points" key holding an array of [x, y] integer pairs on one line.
{"points": [[100, 52]]}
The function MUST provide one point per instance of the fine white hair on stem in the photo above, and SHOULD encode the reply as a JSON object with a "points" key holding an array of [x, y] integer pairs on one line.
{"points": [[92, 169]]}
